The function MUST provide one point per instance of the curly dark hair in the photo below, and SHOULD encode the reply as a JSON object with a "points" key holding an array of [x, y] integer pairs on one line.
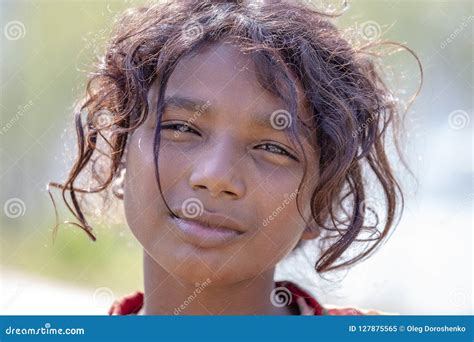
{"points": [[353, 110]]}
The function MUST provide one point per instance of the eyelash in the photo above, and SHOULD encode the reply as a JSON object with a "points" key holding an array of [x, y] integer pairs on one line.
{"points": [[282, 151], [170, 126]]}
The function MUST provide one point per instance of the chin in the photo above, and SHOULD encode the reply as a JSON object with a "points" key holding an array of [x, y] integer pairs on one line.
{"points": [[193, 265]]}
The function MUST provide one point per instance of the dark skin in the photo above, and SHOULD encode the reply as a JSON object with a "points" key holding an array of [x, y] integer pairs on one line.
{"points": [[234, 167]]}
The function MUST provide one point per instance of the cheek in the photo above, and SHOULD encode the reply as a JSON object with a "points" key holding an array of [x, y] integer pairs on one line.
{"points": [[141, 186], [139, 166], [145, 210], [280, 219], [141, 195]]}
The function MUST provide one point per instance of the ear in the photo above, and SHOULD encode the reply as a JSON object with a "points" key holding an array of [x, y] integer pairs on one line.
{"points": [[310, 233]]}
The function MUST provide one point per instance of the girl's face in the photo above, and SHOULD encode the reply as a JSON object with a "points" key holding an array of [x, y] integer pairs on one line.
{"points": [[233, 159]]}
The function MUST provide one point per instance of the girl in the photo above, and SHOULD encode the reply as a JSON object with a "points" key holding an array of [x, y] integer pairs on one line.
{"points": [[236, 133]]}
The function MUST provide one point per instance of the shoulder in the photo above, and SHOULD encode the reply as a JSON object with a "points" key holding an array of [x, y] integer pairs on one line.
{"points": [[127, 305], [291, 294]]}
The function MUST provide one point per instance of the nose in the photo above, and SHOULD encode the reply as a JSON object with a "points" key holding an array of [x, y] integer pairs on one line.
{"points": [[216, 171]]}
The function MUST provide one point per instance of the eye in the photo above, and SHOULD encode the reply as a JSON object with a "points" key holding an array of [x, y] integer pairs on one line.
{"points": [[182, 128], [272, 148]]}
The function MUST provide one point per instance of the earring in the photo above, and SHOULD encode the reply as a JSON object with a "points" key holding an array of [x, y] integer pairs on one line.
{"points": [[117, 185]]}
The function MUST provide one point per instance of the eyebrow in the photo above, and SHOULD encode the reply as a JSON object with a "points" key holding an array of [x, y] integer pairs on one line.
{"points": [[185, 103], [197, 105]]}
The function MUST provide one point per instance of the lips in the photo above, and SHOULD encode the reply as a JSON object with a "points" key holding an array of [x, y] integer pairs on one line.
{"points": [[207, 230], [213, 221]]}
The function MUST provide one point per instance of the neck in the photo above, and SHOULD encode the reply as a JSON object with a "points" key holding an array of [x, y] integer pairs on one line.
{"points": [[167, 295]]}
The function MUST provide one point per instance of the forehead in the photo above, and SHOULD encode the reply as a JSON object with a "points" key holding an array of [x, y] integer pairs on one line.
{"points": [[226, 77]]}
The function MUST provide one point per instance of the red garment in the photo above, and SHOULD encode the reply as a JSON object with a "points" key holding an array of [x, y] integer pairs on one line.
{"points": [[300, 299]]}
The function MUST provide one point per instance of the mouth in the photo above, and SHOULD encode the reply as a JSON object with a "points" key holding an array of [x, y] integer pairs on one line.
{"points": [[204, 234]]}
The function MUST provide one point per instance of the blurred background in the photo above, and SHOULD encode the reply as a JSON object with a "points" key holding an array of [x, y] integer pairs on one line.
{"points": [[426, 267]]}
